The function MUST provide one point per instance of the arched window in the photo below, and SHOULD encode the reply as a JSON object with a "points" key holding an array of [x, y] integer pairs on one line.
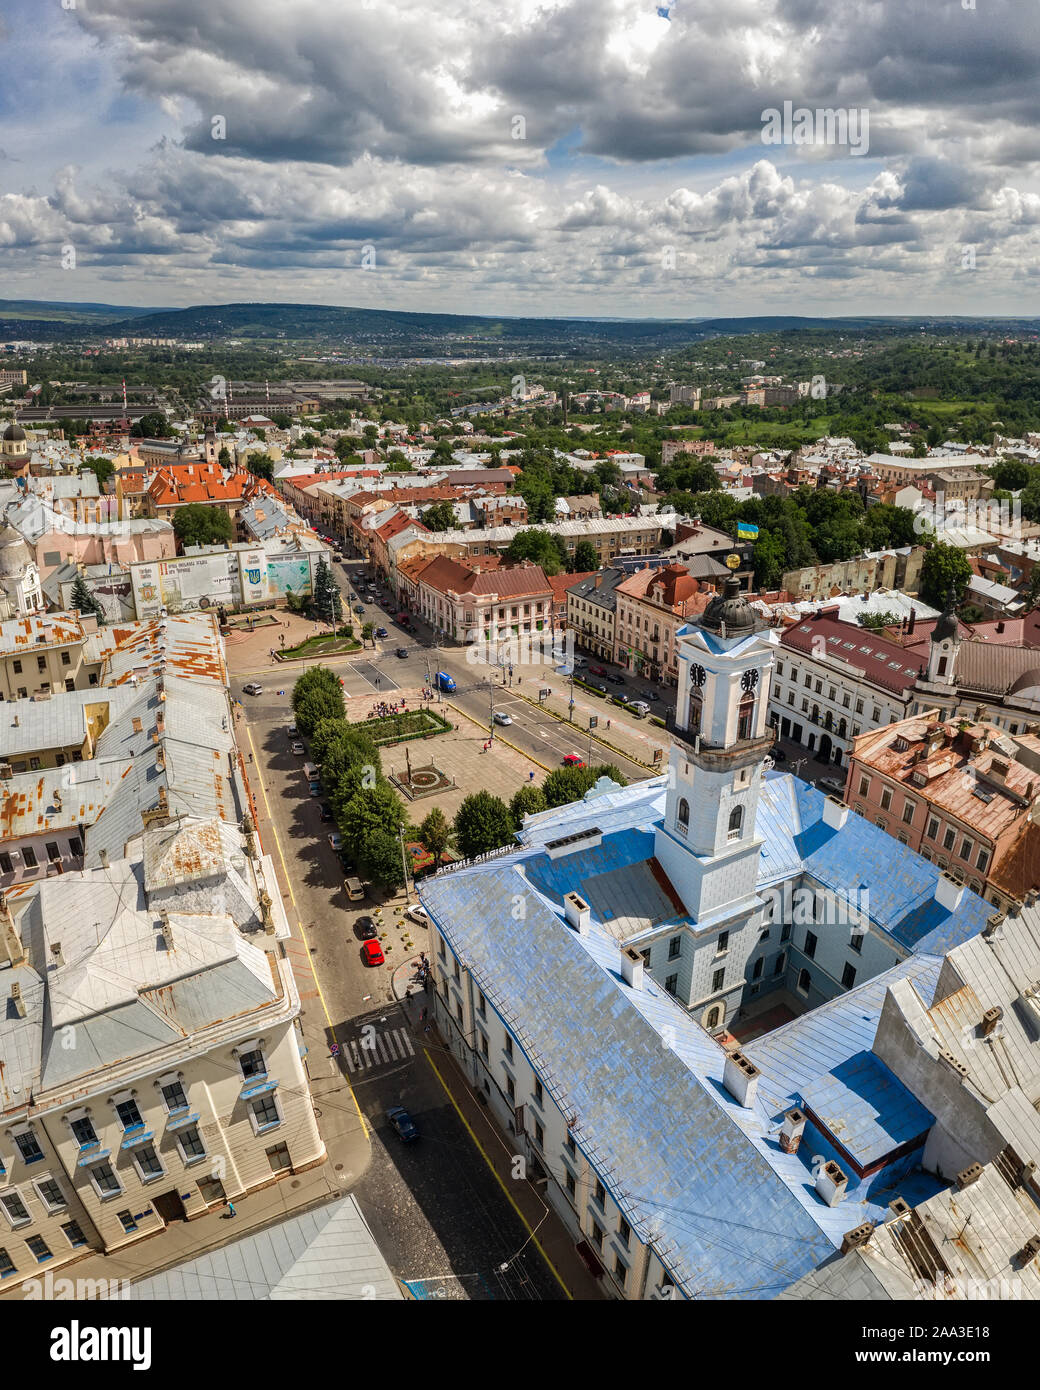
{"points": [[714, 1017], [693, 723], [804, 981], [746, 715], [683, 817], [842, 727], [736, 820]]}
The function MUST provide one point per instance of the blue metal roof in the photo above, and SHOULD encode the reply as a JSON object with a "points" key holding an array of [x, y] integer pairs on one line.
{"points": [[866, 1108]]}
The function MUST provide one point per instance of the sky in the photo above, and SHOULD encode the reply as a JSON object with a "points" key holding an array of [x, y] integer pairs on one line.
{"points": [[605, 158]]}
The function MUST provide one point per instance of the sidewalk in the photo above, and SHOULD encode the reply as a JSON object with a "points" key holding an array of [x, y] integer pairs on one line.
{"points": [[633, 739]]}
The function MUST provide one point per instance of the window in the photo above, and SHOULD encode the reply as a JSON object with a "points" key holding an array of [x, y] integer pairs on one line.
{"points": [[932, 829], [600, 1194], [6, 866], [572, 1147], [859, 706], [736, 819], [722, 946], [53, 852], [877, 714], [864, 786], [909, 807], [966, 848], [597, 1235], [856, 942], [7, 1265], [756, 973], [129, 1115], [75, 846], [886, 799], [28, 1147], [671, 984], [624, 1230], [84, 1133], [539, 1135], [458, 974], [811, 942], [73, 1233], [15, 1209], [620, 1271], [278, 1158], [785, 932], [510, 1088], [252, 1064], [746, 715], [509, 1047], [29, 857], [682, 819], [983, 860], [190, 1144], [211, 1190], [17, 667], [674, 947], [481, 1005], [484, 1049], [104, 1179], [265, 1113], [66, 660], [129, 1224], [718, 980], [174, 1097], [572, 1186], [458, 1014], [39, 1247], [147, 1161], [50, 1194], [804, 981], [781, 963], [539, 1095], [41, 663], [949, 838]]}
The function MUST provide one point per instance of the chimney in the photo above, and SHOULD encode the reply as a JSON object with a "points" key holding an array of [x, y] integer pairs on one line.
{"points": [[991, 931], [791, 1131], [167, 929], [835, 813], [948, 892], [17, 1000], [967, 1176], [103, 855], [740, 1078], [17, 721], [913, 620], [632, 967], [990, 1019], [1029, 1251], [831, 1183], [899, 1208], [857, 1237], [58, 958], [578, 913]]}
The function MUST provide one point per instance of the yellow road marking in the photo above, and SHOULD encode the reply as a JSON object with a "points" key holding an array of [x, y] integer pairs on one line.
{"points": [[497, 1176], [529, 756], [299, 923]]}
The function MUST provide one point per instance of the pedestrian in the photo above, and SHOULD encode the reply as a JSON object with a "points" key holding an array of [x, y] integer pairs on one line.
{"points": [[608, 723], [530, 776], [230, 1207]]}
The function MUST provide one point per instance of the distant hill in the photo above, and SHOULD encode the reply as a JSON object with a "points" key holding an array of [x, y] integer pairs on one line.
{"points": [[398, 331]]}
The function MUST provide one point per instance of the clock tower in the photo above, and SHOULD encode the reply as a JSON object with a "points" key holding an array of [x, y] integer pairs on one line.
{"points": [[707, 842]]}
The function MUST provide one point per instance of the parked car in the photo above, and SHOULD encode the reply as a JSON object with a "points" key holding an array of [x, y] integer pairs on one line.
{"points": [[402, 1123], [324, 811], [580, 661], [650, 695], [615, 679], [291, 729], [595, 670], [501, 718], [573, 760], [417, 914], [597, 686], [315, 788], [778, 755], [402, 652], [622, 698], [382, 632], [372, 953], [639, 707], [297, 747], [834, 785], [335, 841], [253, 688], [359, 609], [365, 928]]}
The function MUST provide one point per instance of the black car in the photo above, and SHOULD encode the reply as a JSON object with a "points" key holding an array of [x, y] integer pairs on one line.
{"points": [[777, 754], [366, 928], [597, 686], [403, 1123], [325, 811], [382, 632], [615, 680], [402, 652]]}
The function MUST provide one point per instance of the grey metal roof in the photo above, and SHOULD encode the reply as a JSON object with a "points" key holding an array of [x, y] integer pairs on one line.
{"points": [[328, 1253]]}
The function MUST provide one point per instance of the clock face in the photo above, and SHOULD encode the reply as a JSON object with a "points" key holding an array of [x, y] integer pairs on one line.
{"points": [[698, 675], [749, 680]]}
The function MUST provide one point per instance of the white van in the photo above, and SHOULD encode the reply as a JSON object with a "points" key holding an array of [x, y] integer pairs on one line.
{"points": [[311, 773], [639, 708], [355, 889]]}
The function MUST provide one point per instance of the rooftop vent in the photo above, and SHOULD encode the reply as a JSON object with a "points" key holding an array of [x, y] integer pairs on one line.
{"points": [[17, 1000], [578, 912], [991, 931], [948, 892], [103, 856], [568, 844], [59, 959], [899, 1208], [632, 967], [791, 1131], [991, 1021], [831, 1183], [835, 812], [952, 1062], [1029, 1251], [740, 1078]]}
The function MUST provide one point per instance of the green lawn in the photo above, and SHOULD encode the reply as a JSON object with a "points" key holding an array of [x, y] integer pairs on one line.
{"points": [[323, 646]]}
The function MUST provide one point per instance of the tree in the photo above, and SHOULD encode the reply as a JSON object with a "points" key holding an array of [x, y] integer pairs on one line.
{"points": [[102, 469], [367, 630], [482, 823], [151, 426], [87, 602], [944, 567], [224, 457], [537, 546], [199, 524], [528, 801], [568, 784], [327, 601], [1011, 474], [435, 833], [317, 695], [260, 465], [1034, 586], [379, 859], [440, 516], [585, 557], [368, 810]]}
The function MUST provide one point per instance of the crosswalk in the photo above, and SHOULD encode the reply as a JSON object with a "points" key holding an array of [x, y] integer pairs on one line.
{"points": [[377, 1047]]}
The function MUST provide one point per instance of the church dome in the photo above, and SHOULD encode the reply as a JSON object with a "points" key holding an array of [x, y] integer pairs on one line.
{"points": [[947, 627], [14, 432], [729, 613], [14, 553]]}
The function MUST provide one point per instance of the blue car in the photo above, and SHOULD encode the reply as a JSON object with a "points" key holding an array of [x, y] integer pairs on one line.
{"points": [[444, 681], [402, 1123]]}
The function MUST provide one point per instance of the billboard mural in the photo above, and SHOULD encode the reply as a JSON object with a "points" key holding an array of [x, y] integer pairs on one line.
{"points": [[286, 572], [114, 591], [229, 577]]}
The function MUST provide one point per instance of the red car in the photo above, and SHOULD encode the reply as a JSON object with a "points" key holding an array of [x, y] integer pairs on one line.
{"points": [[372, 953], [572, 760], [597, 671]]}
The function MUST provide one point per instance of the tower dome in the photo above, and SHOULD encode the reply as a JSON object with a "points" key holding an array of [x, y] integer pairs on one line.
{"points": [[729, 613], [947, 627], [14, 432]]}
